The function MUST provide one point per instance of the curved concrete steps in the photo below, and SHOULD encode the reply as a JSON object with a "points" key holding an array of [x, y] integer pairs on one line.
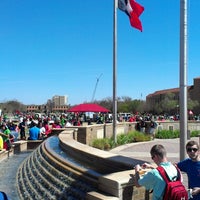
{"points": [[62, 168], [46, 175]]}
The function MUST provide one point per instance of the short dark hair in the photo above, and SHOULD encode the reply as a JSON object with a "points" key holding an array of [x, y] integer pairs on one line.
{"points": [[192, 143], [158, 150]]}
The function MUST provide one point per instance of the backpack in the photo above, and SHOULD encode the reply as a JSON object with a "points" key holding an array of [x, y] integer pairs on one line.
{"points": [[174, 189]]}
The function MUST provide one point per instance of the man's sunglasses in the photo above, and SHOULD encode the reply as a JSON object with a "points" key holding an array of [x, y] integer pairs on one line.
{"points": [[192, 149]]}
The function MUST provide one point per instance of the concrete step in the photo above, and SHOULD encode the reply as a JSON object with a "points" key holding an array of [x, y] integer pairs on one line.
{"points": [[44, 176]]}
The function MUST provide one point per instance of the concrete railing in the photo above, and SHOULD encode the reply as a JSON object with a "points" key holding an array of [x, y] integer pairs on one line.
{"points": [[87, 134]]}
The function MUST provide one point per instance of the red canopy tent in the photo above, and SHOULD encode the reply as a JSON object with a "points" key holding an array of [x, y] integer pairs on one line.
{"points": [[88, 107]]}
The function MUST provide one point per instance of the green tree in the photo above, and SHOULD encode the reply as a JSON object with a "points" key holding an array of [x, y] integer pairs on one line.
{"points": [[124, 104], [192, 103], [169, 103]]}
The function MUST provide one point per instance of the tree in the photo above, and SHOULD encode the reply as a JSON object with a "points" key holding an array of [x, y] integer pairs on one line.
{"points": [[12, 106], [192, 104], [125, 104]]}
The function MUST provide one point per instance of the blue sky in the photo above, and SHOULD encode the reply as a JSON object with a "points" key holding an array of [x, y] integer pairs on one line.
{"points": [[61, 47]]}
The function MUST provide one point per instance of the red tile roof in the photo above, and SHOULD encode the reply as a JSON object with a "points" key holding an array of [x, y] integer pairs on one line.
{"points": [[172, 90]]}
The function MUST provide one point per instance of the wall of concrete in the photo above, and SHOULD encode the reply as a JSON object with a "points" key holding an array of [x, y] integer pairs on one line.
{"points": [[86, 134]]}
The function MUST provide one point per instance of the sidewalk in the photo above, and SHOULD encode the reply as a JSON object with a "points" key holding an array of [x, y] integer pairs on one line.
{"points": [[8, 170], [141, 150]]}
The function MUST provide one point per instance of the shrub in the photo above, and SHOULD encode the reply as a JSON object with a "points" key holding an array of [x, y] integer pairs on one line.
{"points": [[139, 136], [123, 139], [103, 144], [195, 133], [109, 143], [135, 136], [167, 134]]}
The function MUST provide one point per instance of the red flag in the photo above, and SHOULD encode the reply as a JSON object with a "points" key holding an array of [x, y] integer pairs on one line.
{"points": [[133, 10]]}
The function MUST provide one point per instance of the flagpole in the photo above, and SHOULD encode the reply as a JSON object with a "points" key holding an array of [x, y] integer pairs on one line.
{"points": [[114, 69], [183, 78]]}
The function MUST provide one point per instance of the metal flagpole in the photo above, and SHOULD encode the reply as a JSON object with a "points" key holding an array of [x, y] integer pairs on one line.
{"points": [[183, 78], [114, 69]]}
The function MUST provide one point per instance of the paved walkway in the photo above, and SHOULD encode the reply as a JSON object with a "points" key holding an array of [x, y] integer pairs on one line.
{"points": [[8, 169], [141, 150]]}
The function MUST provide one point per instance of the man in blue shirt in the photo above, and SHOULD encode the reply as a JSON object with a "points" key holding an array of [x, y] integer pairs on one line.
{"points": [[191, 166], [34, 132]]}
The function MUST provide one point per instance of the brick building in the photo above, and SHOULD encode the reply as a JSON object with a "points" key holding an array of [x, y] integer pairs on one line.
{"points": [[35, 108], [193, 94]]}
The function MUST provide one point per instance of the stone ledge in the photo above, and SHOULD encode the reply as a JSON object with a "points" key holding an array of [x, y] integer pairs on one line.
{"points": [[99, 196], [5, 154], [24, 145], [33, 144], [103, 161], [20, 146], [121, 185]]}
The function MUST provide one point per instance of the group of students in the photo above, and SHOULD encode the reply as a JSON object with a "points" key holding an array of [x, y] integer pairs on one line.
{"points": [[9, 132], [153, 180], [37, 129]]}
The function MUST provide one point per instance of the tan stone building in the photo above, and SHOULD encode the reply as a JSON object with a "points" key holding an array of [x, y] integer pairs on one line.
{"points": [[59, 100], [193, 94], [59, 103]]}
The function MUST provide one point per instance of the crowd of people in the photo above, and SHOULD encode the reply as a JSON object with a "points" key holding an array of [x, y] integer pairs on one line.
{"points": [[38, 127], [29, 127]]}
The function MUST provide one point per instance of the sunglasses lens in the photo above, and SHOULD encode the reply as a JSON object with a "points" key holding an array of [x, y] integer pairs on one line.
{"points": [[192, 149]]}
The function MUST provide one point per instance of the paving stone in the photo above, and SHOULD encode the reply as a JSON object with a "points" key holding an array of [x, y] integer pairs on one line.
{"points": [[8, 169]]}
